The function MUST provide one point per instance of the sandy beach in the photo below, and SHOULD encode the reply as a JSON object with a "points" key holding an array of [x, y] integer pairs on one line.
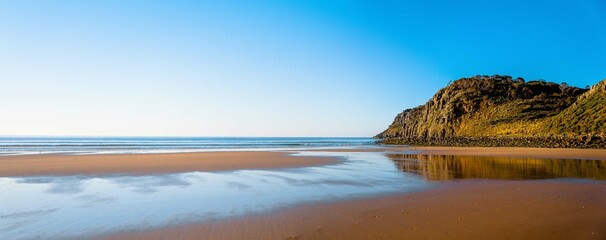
{"points": [[454, 209], [560, 153], [545, 209], [56, 164], [463, 209]]}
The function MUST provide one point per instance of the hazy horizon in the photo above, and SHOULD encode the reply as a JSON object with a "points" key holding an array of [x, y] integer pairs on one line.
{"points": [[271, 68], [169, 136]]}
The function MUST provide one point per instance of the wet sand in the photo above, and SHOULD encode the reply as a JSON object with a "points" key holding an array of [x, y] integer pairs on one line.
{"points": [[545, 209], [459, 209], [55, 164], [462, 209], [560, 153]]}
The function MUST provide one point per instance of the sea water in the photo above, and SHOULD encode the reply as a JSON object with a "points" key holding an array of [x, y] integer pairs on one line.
{"points": [[100, 145]]}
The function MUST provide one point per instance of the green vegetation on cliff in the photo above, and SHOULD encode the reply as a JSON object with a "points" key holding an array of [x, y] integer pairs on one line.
{"points": [[586, 116], [501, 111]]}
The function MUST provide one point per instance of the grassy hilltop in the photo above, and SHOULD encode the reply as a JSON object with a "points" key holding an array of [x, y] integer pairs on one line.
{"points": [[502, 111]]}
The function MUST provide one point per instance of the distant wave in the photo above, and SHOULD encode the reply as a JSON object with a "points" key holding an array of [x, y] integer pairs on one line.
{"points": [[29, 145]]}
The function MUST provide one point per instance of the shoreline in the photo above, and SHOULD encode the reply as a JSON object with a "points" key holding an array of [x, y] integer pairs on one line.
{"points": [[470, 209], [156, 163], [514, 152], [583, 141], [454, 209], [559, 153]]}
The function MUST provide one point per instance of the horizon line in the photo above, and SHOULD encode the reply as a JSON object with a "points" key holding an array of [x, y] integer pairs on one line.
{"points": [[181, 136]]}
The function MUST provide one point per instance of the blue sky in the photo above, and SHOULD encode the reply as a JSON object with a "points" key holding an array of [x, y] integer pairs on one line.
{"points": [[271, 68]]}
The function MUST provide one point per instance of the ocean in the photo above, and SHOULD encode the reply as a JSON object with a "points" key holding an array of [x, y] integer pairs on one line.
{"points": [[96, 145]]}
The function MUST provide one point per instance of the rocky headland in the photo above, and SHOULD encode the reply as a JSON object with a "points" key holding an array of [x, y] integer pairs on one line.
{"points": [[499, 111]]}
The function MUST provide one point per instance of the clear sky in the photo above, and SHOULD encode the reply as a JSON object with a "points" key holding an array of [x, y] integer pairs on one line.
{"points": [[271, 68]]}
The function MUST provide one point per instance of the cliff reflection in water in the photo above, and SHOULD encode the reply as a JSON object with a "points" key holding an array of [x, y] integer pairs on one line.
{"points": [[441, 167]]}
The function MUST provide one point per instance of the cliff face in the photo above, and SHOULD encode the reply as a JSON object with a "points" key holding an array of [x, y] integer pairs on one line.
{"points": [[499, 106]]}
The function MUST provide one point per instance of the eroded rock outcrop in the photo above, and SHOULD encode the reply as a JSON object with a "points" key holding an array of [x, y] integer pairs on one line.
{"points": [[502, 111]]}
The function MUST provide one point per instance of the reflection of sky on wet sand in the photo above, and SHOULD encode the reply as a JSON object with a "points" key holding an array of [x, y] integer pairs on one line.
{"points": [[71, 206], [77, 206]]}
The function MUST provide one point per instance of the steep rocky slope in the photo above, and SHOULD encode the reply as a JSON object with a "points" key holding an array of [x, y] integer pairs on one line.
{"points": [[501, 111], [586, 116]]}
